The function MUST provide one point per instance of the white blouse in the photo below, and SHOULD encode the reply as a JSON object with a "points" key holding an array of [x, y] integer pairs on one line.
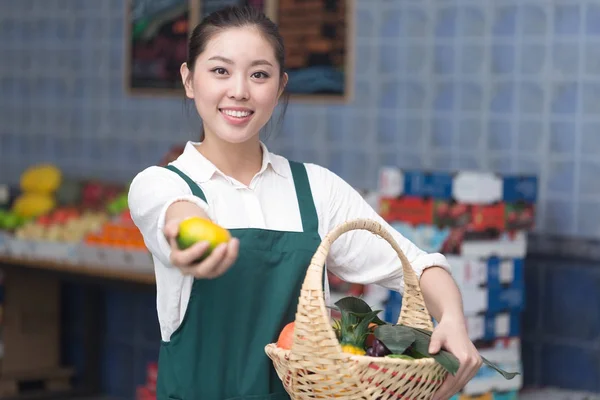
{"points": [[269, 202]]}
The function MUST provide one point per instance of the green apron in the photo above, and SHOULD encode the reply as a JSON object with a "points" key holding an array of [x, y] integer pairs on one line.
{"points": [[218, 353]]}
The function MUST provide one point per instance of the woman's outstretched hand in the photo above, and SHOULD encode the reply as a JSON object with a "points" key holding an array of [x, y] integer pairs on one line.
{"points": [[213, 266]]}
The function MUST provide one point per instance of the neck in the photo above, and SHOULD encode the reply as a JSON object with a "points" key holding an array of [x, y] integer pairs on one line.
{"points": [[240, 161]]}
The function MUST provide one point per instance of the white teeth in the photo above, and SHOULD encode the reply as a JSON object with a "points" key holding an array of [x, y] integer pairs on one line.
{"points": [[237, 114]]}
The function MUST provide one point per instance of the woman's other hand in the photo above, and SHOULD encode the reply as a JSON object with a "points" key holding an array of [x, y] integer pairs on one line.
{"points": [[452, 336]]}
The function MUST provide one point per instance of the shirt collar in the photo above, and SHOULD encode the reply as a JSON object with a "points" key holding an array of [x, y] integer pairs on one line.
{"points": [[203, 170]]}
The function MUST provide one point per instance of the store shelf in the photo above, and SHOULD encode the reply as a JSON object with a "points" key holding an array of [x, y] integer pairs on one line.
{"points": [[87, 270]]}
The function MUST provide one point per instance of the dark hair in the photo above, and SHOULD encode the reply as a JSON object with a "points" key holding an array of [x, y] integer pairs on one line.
{"points": [[237, 17]]}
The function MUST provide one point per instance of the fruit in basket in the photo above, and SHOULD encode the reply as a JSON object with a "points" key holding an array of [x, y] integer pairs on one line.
{"points": [[371, 335], [286, 337], [196, 229], [352, 330], [378, 349]]}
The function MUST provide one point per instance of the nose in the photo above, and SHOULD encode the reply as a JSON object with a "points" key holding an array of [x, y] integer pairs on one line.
{"points": [[239, 89]]}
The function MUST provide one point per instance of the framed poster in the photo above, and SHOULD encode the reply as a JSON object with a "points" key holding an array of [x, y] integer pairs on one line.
{"points": [[319, 39], [156, 45], [205, 7]]}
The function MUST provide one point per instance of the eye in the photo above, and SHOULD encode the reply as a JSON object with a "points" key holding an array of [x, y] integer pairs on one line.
{"points": [[219, 71], [260, 75]]}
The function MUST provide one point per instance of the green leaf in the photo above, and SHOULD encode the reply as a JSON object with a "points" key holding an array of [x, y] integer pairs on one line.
{"points": [[506, 375], [396, 338], [415, 354], [443, 357], [366, 320], [424, 331], [357, 306], [364, 315]]}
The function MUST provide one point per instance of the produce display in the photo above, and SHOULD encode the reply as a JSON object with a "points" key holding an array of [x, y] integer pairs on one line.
{"points": [[51, 216], [361, 333], [63, 224], [54, 217]]}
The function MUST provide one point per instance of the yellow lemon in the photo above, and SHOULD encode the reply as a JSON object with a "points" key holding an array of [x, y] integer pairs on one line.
{"points": [[195, 229]]}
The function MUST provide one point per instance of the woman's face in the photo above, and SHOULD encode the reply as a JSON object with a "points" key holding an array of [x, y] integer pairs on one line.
{"points": [[235, 84]]}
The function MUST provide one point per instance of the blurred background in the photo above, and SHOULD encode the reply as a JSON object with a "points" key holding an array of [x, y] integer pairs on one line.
{"points": [[471, 125]]}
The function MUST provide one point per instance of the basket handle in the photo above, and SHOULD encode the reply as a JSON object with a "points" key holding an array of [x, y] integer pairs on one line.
{"points": [[312, 303]]}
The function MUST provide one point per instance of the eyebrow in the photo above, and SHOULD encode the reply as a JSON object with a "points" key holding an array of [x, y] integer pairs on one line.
{"points": [[228, 61]]}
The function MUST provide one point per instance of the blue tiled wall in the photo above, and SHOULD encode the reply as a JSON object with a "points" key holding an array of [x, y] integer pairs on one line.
{"points": [[509, 86]]}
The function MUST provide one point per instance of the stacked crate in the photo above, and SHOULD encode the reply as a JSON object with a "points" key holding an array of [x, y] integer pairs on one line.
{"points": [[479, 221]]}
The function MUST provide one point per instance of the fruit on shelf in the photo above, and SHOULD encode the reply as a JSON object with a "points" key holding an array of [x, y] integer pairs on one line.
{"points": [[10, 221], [118, 205], [42, 178], [62, 225], [117, 234], [97, 195], [32, 204]]}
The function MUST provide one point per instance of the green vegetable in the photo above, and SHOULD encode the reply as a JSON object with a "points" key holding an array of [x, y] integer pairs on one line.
{"points": [[406, 342]]}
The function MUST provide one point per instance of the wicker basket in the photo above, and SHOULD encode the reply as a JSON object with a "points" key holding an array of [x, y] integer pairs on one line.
{"points": [[316, 367]]}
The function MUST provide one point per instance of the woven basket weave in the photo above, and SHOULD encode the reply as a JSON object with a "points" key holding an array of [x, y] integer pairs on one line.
{"points": [[316, 367]]}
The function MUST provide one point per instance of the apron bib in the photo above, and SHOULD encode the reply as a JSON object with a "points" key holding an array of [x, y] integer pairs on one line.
{"points": [[217, 353]]}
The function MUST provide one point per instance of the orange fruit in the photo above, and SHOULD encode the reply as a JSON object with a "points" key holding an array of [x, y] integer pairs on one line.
{"points": [[195, 229], [286, 337]]}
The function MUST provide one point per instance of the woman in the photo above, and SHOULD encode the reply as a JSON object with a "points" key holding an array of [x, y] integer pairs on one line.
{"points": [[216, 316]]}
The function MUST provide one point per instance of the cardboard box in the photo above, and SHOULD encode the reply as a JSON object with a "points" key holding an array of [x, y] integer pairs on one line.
{"points": [[491, 326], [493, 300], [31, 322], [486, 272], [452, 242], [475, 221], [469, 187]]}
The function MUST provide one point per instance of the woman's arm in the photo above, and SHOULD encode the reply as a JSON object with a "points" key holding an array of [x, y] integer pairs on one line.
{"points": [[442, 297], [159, 200], [359, 256], [157, 196]]}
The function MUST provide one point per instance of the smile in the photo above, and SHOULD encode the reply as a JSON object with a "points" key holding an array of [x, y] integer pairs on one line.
{"points": [[236, 114], [236, 117]]}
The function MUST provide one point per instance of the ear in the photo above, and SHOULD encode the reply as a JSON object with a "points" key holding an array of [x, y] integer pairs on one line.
{"points": [[284, 81], [186, 78]]}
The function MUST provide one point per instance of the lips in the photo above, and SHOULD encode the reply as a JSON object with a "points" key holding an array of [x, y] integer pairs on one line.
{"points": [[236, 116]]}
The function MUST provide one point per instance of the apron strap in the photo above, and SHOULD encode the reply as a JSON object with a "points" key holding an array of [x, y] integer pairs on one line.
{"points": [[308, 212], [196, 191]]}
